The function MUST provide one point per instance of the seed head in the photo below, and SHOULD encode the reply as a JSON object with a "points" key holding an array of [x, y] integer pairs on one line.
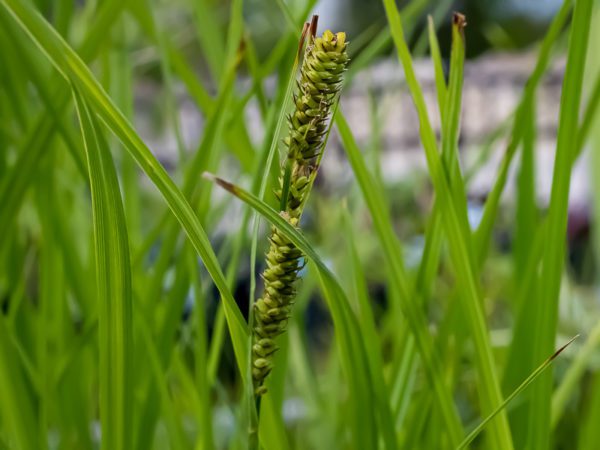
{"points": [[321, 75]]}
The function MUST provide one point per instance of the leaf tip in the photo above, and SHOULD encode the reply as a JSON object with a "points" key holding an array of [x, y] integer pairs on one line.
{"points": [[209, 176], [221, 182], [459, 20], [560, 350]]}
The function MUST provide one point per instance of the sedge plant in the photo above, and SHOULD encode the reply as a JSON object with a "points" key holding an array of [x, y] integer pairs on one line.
{"points": [[123, 273]]}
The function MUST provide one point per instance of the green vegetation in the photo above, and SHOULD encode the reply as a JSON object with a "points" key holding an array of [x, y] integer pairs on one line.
{"points": [[129, 314]]}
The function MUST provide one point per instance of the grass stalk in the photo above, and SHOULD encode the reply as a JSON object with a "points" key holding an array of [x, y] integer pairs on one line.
{"points": [[546, 303], [459, 243]]}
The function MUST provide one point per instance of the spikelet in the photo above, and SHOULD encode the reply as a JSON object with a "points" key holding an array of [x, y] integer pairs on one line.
{"points": [[325, 61]]}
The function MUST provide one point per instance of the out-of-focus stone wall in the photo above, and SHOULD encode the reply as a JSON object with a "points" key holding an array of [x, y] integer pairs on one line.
{"points": [[377, 95], [493, 86]]}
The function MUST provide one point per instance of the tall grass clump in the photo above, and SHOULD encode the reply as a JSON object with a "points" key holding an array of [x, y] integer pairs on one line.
{"points": [[393, 312]]}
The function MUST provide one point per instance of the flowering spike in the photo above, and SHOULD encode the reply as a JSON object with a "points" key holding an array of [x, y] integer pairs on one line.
{"points": [[325, 61]]}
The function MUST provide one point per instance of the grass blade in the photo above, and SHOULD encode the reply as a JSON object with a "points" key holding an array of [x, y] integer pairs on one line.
{"points": [[41, 133], [72, 67], [573, 375], [473, 434], [16, 403], [440, 82], [369, 333], [399, 280], [484, 231], [546, 302], [114, 287], [459, 243]]}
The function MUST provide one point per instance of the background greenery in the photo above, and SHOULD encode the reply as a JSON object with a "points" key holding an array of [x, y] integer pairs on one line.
{"points": [[125, 287]]}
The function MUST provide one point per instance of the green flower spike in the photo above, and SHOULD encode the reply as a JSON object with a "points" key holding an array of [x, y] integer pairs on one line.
{"points": [[325, 61]]}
